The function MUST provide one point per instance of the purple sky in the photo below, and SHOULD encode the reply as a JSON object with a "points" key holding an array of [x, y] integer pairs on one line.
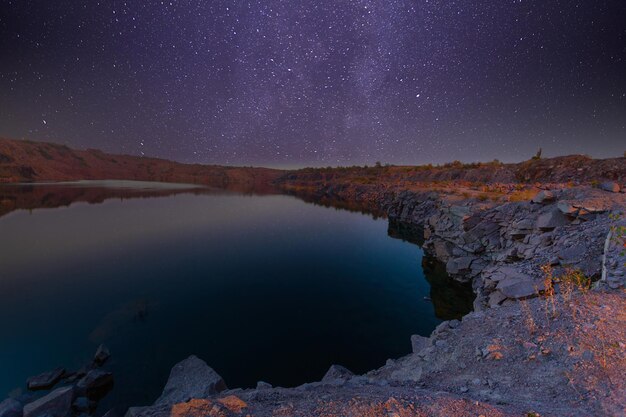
{"points": [[317, 82]]}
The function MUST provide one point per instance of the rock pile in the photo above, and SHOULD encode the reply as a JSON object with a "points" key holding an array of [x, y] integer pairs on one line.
{"points": [[77, 395]]}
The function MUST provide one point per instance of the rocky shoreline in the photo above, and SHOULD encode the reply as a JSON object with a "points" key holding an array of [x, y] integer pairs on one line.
{"points": [[72, 393], [538, 343]]}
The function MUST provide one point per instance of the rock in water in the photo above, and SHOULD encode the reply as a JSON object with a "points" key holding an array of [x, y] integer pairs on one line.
{"points": [[94, 381], [337, 372], [56, 404], [82, 404], [45, 380], [102, 354], [191, 378], [10, 408]]}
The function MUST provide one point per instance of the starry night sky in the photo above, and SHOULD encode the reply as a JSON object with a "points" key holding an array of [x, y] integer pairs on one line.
{"points": [[317, 82]]}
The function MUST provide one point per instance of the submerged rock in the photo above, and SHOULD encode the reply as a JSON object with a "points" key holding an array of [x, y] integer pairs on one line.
{"points": [[94, 381], [45, 380], [102, 354], [191, 378], [10, 408], [56, 404]]}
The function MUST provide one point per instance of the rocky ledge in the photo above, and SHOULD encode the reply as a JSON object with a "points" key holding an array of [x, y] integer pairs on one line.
{"points": [[517, 250]]}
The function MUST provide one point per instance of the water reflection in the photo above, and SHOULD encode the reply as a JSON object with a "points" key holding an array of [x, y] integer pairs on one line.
{"points": [[262, 287], [62, 194], [451, 299]]}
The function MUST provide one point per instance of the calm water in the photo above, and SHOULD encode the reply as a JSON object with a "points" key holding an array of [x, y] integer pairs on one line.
{"points": [[260, 287]]}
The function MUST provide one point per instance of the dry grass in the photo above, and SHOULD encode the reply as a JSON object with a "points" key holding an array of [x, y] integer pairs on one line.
{"points": [[522, 195]]}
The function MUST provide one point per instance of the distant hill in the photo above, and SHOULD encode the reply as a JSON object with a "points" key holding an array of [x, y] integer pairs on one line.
{"points": [[578, 169], [28, 161]]}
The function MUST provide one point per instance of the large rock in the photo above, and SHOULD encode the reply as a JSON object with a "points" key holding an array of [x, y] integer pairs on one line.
{"points": [[95, 380], [566, 208], [519, 287], [612, 187], [443, 249], [56, 404], [191, 378], [543, 197], [573, 254], [419, 343], [495, 298], [10, 408], [551, 220], [459, 265], [337, 372], [461, 212], [45, 380]]}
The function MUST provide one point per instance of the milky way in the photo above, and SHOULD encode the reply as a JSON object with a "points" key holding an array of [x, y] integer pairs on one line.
{"points": [[317, 82]]}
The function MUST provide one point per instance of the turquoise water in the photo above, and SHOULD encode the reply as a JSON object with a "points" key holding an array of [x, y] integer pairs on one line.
{"points": [[260, 287]]}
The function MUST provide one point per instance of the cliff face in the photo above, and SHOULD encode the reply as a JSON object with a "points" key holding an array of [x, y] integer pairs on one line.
{"points": [[25, 161]]}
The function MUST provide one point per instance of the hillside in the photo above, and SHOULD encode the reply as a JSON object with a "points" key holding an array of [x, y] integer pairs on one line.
{"points": [[26, 161]]}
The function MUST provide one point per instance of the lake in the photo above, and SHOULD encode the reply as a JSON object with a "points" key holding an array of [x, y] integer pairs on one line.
{"points": [[262, 287]]}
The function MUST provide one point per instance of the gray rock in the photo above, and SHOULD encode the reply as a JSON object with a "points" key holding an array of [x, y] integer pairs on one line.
{"points": [[612, 187], [572, 254], [82, 404], [419, 343], [551, 220], [337, 372], [10, 408], [102, 354], [453, 324], [495, 298], [460, 211], [56, 404], [543, 197], [95, 380], [191, 378], [517, 287], [459, 265], [566, 208], [443, 249], [110, 413], [263, 385], [137, 411], [45, 380]]}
